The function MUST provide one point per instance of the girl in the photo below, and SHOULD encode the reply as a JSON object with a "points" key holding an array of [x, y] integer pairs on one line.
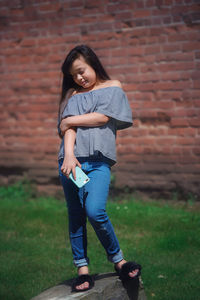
{"points": [[92, 108]]}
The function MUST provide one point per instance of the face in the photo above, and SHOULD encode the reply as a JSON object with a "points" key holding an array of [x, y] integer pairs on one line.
{"points": [[83, 74]]}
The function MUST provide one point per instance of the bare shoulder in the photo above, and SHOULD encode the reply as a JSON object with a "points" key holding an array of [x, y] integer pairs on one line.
{"points": [[114, 83]]}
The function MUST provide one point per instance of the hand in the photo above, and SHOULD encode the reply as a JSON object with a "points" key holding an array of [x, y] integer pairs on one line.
{"points": [[69, 164], [64, 126]]}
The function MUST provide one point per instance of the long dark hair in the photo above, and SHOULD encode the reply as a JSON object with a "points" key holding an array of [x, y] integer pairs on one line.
{"points": [[92, 60]]}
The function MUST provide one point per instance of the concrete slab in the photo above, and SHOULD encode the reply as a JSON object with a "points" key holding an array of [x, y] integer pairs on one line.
{"points": [[107, 287]]}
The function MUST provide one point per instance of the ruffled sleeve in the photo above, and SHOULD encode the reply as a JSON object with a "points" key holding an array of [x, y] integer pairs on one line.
{"points": [[115, 104], [68, 108], [71, 109]]}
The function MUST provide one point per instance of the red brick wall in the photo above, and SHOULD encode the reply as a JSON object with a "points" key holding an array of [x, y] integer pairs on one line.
{"points": [[152, 46]]}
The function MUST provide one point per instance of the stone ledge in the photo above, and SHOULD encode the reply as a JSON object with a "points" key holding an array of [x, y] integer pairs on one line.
{"points": [[107, 287]]}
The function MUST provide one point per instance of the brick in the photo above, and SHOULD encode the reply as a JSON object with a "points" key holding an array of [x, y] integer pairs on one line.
{"points": [[138, 51], [150, 40], [141, 13], [116, 60], [130, 158], [129, 87], [174, 57], [134, 60], [156, 21], [158, 131], [195, 150], [127, 15], [152, 50], [172, 47], [177, 37], [161, 11], [196, 84], [142, 22], [179, 122], [184, 141], [194, 122], [150, 3], [166, 141], [196, 103], [166, 150], [75, 4], [190, 46], [182, 131], [197, 54], [176, 66], [49, 7]]}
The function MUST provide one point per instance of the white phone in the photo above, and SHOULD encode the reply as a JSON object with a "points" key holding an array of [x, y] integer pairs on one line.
{"points": [[81, 177]]}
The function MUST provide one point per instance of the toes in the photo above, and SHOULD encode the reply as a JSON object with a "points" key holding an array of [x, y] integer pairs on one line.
{"points": [[86, 285], [133, 273], [83, 286], [80, 287]]}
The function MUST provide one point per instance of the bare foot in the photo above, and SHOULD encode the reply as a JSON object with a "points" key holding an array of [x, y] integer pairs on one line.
{"points": [[83, 271], [121, 263]]}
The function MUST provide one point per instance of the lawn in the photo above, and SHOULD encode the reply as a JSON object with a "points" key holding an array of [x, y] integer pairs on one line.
{"points": [[36, 254]]}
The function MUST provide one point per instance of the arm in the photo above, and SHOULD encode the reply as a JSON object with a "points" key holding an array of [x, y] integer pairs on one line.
{"points": [[70, 161], [86, 120]]}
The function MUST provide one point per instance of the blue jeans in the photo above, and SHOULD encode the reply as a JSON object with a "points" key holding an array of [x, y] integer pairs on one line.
{"points": [[90, 201]]}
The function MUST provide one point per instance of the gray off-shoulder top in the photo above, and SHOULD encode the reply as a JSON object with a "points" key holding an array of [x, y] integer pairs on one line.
{"points": [[98, 143]]}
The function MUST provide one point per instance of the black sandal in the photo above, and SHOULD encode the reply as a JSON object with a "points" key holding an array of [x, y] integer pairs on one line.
{"points": [[129, 266], [80, 280]]}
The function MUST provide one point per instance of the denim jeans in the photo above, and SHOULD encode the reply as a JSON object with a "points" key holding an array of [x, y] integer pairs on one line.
{"points": [[90, 202]]}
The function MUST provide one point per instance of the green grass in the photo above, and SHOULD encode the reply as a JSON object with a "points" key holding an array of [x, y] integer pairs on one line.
{"points": [[35, 250]]}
